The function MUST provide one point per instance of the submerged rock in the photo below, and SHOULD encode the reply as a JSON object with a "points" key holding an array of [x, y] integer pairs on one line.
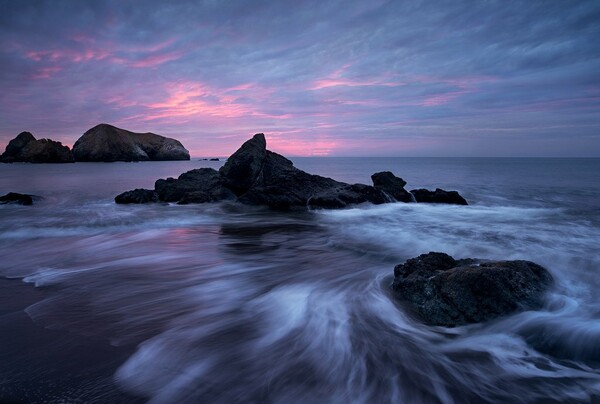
{"points": [[108, 143], [392, 185], [16, 198], [26, 148], [138, 195], [438, 196], [449, 292]]}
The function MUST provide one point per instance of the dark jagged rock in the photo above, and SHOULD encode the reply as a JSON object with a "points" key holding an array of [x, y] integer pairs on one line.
{"points": [[26, 149], [449, 292], [254, 175], [280, 185], [138, 195], [392, 185], [16, 198], [108, 143], [438, 196], [243, 167], [195, 186]]}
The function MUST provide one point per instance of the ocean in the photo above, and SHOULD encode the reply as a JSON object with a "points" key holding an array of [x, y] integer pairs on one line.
{"points": [[225, 303]]}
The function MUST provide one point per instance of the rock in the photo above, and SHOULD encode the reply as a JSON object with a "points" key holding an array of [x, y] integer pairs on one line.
{"points": [[138, 195], [254, 175], [195, 186], [108, 143], [243, 167], [449, 292], [341, 197], [26, 148], [214, 159], [280, 185], [20, 199], [438, 196], [392, 185]]}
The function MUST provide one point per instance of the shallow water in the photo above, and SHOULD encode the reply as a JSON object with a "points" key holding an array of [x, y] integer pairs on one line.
{"points": [[222, 303]]}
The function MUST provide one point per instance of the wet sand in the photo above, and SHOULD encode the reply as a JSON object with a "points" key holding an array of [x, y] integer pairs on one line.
{"points": [[42, 365]]}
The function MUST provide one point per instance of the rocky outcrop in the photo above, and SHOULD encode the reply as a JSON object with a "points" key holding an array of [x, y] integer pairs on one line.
{"points": [[254, 175], [438, 196], [16, 198], [25, 148], [392, 185], [449, 292], [108, 143]]}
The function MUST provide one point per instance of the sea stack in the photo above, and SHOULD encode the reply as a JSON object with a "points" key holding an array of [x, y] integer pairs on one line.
{"points": [[25, 148], [108, 143]]}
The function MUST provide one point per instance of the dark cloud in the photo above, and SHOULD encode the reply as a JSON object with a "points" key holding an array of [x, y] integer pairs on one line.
{"points": [[336, 77]]}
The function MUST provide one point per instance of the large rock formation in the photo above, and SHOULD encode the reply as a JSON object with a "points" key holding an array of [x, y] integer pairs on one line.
{"points": [[449, 292], [254, 175], [26, 148], [108, 143]]}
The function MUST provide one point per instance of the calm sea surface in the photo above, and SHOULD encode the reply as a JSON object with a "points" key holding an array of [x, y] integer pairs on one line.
{"points": [[223, 303]]}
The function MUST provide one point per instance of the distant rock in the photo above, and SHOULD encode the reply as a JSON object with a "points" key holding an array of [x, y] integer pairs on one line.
{"points": [[108, 143], [438, 196], [254, 175], [449, 292], [138, 195], [214, 159], [392, 185], [25, 148], [16, 198]]}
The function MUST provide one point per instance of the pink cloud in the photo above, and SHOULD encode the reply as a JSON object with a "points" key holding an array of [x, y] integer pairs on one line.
{"points": [[297, 143], [337, 79], [46, 72], [88, 50], [441, 99]]}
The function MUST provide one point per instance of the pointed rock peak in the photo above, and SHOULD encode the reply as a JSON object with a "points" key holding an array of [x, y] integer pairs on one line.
{"points": [[259, 140], [243, 167]]}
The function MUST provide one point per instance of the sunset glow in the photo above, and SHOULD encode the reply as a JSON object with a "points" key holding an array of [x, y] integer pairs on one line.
{"points": [[315, 82]]}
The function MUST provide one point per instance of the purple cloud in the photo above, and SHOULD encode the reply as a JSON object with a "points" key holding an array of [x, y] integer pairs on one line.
{"points": [[319, 78]]}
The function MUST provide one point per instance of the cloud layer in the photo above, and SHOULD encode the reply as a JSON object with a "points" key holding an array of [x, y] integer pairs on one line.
{"points": [[379, 78]]}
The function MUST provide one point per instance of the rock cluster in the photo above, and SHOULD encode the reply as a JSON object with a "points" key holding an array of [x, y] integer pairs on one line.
{"points": [[25, 148], [254, 175], [449, 292]]}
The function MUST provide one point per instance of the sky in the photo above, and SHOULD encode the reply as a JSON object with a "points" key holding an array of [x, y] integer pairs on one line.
{"points": [[319, 78]]}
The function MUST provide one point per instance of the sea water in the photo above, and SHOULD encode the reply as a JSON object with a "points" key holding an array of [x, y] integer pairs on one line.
{"points": [[227, 303]]}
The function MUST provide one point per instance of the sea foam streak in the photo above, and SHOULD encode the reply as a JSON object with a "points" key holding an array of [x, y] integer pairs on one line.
{"points": [[228, 304]]}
